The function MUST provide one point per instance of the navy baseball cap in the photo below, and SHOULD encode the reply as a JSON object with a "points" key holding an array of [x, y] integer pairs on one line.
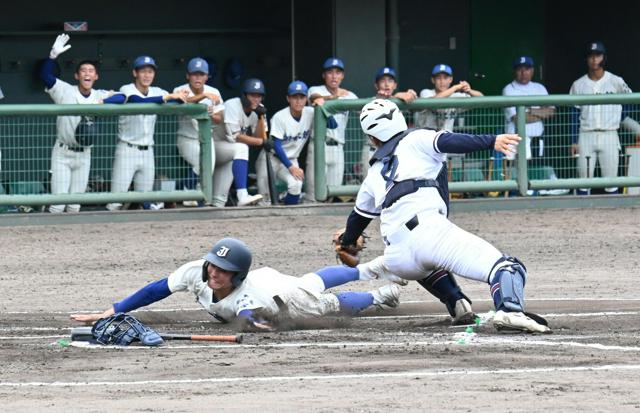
{"points": [[386, 71], [332, 62], [442, 68], [523, 61], [595, 48], [198, 64], [297, 88], [142, 61]]}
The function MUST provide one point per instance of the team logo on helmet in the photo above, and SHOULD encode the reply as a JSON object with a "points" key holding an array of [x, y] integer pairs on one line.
{"points": [[387, 115], [222, 252], [256, 85]]}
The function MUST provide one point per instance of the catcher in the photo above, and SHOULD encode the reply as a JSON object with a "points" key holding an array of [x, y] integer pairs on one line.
{"points": [[226, 289]]}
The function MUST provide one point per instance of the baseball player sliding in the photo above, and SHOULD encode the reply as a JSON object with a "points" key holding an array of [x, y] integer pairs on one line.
{"points": [[598, 138], [407, 188], [291, 128], [134, 157], [227, 289], [71, 154]]}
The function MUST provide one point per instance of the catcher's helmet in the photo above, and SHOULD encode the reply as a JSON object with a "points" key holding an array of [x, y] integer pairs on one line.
{"points": [[254, 86], [230, 254], [382, 119]]}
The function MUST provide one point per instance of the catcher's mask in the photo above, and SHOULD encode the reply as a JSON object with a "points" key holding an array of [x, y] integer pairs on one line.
{"points": [[230, 254]]}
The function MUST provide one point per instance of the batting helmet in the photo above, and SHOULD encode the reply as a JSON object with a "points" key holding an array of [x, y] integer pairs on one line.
{"points": [[382, 119], [595, 48], [229, 254], [254, 86]]}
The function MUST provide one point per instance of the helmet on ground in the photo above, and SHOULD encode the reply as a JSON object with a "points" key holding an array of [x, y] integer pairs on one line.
{"points": [[229, 254], [382, 119]]}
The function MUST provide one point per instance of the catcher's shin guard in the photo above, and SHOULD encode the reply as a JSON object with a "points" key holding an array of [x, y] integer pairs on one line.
{"points": [[507, 281], [442, 285]]}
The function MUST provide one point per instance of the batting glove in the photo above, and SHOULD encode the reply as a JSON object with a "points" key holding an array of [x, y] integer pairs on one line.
{"points": [[59, 46]]}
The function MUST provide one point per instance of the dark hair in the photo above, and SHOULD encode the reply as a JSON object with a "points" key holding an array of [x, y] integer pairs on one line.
{"points": [[87, 62]]}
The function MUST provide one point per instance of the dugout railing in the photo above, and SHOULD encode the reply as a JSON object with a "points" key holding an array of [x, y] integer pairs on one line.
{"points": [[28, 133], [489, 173]]}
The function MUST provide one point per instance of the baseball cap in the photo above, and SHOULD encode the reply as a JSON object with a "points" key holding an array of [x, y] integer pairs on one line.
{"points": [[297, 88], [595, 48], [142, 61], [522, 61], [198, 64], [333, 62], [386, 71], [442, 68]]}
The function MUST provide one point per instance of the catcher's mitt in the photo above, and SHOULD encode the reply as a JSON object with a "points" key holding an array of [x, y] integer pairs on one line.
{"points": [[348, 254], [122, 329]]}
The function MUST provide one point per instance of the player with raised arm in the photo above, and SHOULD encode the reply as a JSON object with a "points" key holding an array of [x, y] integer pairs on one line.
{"points": [[291, 128], [134, 158], [226, 288], [407, 188], [188, 132], [598, 138], [245, 121], [75, 135]]}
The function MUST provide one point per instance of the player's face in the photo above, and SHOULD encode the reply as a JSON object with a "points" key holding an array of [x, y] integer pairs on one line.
{"points": [[594, 61], [144, 76], [333, 77], [386, 85], [254, 99], [197, 80], [297, 102], [441, 81], [86, 76], [524, 74], [218, 278]]}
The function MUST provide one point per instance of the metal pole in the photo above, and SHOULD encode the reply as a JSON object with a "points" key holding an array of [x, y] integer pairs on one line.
{"points": [[393, 36], [319, 136], [206, 160], [523, 173]]}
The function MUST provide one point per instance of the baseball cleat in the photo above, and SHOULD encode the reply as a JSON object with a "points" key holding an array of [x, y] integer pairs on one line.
{"points": [[518, 321], [249, 200], [464, 313], [388, 295], [375, 269], [190, 204]]}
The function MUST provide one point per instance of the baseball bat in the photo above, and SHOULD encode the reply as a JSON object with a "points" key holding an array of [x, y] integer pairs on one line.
{"points": [[84, 334], [272, 181]]}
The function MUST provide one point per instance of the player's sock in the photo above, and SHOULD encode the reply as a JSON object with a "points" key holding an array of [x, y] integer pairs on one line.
{"points": [[240, 169], [338, 275], [352, 302], [291, 199]]}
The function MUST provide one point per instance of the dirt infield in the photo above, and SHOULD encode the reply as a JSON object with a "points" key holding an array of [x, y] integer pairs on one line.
{"points": [[583, 266]]}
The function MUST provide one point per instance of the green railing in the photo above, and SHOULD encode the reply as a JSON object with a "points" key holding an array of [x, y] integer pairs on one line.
{"points": [[487, 172], [28, 132]]}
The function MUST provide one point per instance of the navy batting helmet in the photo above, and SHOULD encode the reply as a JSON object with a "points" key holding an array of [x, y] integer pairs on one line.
{"points": [[230, 254], [595, 48], [254, 86]]}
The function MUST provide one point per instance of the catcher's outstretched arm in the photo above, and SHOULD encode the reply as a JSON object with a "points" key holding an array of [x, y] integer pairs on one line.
{"points": [[356, 224]]}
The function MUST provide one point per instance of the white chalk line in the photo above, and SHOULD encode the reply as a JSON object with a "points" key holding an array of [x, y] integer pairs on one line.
{"points": [[333, 377], [163, 310]]}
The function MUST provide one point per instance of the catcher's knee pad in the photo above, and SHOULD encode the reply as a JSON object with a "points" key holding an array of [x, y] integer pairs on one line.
{"points": [[442, 285], [507, 280]]}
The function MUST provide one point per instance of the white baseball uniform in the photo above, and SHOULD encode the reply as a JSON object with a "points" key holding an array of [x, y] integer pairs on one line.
{"points": [[598, 138], [334, 146], [134, 156], [533, 129], [188, 137], [70, 162], [439, 119], [293, 134], [303, 295], [435, 242]]}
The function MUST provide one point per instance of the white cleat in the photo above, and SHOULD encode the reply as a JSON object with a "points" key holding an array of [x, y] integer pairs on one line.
{"points": [[388, 295], [375, 269], [249, 200], [190, 204], [517, 321], [464, 313]]}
